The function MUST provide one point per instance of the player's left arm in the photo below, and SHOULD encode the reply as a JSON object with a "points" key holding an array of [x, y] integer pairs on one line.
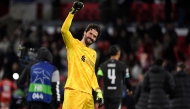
{"points": [[94, 82], [99, 75], [55, 81], [127, 82], [95, 86], [24, 75]]}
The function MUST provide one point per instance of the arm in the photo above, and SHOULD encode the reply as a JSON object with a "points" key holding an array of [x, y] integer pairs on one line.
{"points": [[24, 76], [127, 82], [56, 88], [99, 75], [99, 95], [66, 34], [95, 86]]}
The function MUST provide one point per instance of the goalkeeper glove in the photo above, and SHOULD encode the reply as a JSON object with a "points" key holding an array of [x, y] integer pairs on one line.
{"points": [[76, 6], [99, 98]]}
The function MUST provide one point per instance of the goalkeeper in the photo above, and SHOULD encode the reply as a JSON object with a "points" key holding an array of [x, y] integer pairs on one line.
{"points": [[81, 65]]}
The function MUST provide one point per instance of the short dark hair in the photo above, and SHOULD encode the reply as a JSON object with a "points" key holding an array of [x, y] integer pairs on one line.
{"points": [[181, 65], [93, 26], [113, 50], [159, 61]]}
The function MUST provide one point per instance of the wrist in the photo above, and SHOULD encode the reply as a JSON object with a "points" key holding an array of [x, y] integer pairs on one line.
{"points": [[98, 91], [72, 11]]}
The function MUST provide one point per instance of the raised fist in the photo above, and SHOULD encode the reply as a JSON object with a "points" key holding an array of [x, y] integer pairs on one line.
{"points": [[76, 6]]}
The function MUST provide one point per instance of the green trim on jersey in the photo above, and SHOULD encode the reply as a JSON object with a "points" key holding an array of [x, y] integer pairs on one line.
{"points": [[40, 88], [127, 73], [100, 72], [127, 76]]}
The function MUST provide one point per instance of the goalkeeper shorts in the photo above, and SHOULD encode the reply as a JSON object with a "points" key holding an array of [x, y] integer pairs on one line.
{"points": [[74, 99]]}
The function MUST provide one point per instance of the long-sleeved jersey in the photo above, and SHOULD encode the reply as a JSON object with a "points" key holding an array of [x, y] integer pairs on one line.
{"points": [[81, 61]]}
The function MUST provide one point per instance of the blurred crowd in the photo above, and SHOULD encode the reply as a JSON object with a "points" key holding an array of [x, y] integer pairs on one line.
{"points": [[139, 48]]}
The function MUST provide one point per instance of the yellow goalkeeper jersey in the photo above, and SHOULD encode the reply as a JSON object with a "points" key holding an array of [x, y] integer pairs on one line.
{"points": [[81, 61]]}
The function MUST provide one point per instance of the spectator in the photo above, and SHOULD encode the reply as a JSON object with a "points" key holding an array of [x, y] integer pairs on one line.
{"points": [[157, 50], [7, 87], [134, 41], [155, 31], [9, 58], [4, 44], [123, 40], [148, 44], [181, 95], [170, 30], [168, 48], [158, 82], [140, 29], [134, 66]]}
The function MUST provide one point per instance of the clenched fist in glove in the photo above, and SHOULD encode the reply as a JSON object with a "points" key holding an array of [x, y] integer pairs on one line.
{"points": [[99, 98], [76, 6]]}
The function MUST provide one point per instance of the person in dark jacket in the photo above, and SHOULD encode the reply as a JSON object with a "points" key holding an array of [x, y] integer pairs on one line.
{"points": [[181, 95], [43, 82], [141, 97], [159, 82]]}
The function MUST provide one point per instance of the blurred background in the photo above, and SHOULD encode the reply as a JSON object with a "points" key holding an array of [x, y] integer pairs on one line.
{"points": [[144, 29]]}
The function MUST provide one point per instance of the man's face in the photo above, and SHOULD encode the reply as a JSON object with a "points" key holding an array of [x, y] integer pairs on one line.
{"points": [[90, 36]]}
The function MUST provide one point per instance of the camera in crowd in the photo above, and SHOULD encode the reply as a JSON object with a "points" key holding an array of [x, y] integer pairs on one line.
{"points": [[26, 55]]}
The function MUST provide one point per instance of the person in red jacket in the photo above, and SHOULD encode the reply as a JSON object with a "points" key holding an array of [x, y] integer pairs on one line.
{"points": [[6, 88]]}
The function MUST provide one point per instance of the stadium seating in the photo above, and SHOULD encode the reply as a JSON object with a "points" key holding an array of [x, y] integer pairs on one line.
{"points": [[89, 12], [138, 11]]}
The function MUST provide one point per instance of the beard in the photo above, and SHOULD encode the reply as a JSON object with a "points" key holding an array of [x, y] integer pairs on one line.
{"points": [[88, 41]]}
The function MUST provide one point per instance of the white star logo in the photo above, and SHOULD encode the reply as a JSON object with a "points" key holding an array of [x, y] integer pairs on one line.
{"points": [[41, 75]]}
